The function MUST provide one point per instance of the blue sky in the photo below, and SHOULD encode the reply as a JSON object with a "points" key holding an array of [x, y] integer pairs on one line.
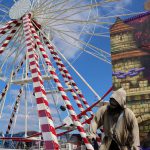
{"points": [[96, 72]]}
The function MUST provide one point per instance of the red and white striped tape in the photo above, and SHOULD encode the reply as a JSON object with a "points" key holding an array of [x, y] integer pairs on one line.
{"points": [[15, 109], [62, 92], [46, 122]]}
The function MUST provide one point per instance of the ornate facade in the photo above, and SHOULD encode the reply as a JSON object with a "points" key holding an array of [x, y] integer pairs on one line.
{"points": [[130, 40]]}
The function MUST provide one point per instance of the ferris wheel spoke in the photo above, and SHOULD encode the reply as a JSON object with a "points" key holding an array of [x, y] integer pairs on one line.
{"points": [[55, 18], [5, 11], [102, 53], [106, 34], [55, 5], [72, 14], [34, 4], [96, 34], [103, 34], [89, 6], [1, 5], [86, 44], [56, 15], [62, 13], [13, 61], [11, 52], [3, 19], [11, 46], [81, 23], [42, 5], [2, 15], [99, 56], [69, 21], [62, 10], [11, 56], [118, 7], [104, 27], [127, 12]]}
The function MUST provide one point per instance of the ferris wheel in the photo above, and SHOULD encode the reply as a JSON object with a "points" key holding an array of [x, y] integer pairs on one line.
{"points": [[38, 40]]}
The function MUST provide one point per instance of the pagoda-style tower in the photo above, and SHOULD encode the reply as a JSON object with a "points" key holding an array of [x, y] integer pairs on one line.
{"points": [[131, 70]]}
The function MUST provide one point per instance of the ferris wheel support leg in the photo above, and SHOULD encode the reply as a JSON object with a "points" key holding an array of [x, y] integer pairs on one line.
{"points": [[65, 72], [62, 92], [4, 94], [60, 67], [47, 126], [6, 88], [8, 38], [67, 77], [15, 109], [9, 25], [4, 91]]}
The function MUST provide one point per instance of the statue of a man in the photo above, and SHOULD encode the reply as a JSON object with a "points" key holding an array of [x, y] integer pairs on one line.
{"points": [[121, 131]]}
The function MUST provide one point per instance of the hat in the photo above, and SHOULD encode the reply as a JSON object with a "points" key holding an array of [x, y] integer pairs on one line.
{"points": [[120, 97]]}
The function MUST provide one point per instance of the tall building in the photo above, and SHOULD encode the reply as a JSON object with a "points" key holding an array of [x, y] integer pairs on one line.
{"points": [[130, 50]]}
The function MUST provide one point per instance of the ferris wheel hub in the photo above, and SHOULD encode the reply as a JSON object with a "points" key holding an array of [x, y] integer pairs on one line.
{"points": [[19, 9]]}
